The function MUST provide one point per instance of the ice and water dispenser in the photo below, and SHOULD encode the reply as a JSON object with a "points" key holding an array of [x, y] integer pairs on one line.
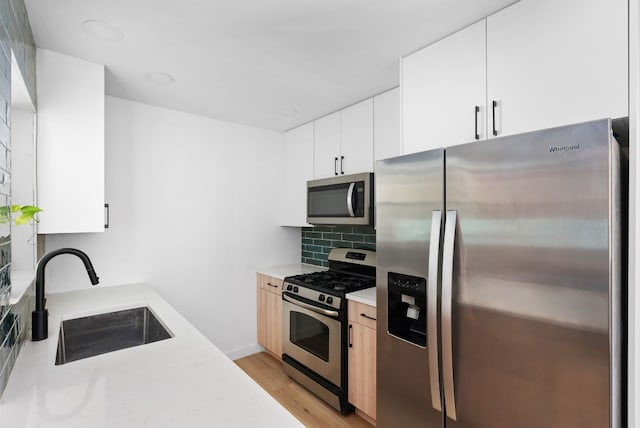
{"points": [[407, 306]]}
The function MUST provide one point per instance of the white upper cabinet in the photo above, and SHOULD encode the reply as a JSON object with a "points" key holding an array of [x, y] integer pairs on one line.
{"points": [[442, 87], [326, 147], [534, 65], [356, 138], [556, 62], [387, 142], [344, 141], [70, 144], [297, 170]]}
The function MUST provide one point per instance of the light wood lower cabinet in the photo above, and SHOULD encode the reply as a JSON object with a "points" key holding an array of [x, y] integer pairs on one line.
{"points": [[362, 358], [269, 292]]}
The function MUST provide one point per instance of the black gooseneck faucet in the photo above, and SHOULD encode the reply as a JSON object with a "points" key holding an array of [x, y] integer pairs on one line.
{"points": [[40, 317]]}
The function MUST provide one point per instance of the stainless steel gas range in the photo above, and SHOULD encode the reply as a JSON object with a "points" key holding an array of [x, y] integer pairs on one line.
{"points": [[315, 336]]}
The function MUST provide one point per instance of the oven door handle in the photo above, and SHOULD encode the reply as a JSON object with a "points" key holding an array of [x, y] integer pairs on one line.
{"points": [[326, 312]]}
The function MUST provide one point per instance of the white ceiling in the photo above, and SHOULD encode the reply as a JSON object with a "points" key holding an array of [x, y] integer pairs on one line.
{"points": [[246, 60]]}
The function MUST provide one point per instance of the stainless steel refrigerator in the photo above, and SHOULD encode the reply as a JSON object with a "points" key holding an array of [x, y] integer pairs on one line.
{"points": [[499, 283]]}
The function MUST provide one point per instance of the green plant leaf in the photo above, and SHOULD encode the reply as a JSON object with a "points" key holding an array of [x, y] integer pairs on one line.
{"points": [[23, 219], [27, 213], [30, 209]]}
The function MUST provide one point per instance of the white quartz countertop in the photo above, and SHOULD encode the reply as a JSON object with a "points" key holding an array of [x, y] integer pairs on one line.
{"points": [[366, 296], [20, 282], [184, 381], [283, 271]]}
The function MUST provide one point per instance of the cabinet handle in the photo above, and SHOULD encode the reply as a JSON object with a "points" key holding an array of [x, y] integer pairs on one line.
{"points": [[342, 165], [335, 166], [494, 104], [271, 285], [368, 317], [477, 111], [350, 334], [106, 208]]}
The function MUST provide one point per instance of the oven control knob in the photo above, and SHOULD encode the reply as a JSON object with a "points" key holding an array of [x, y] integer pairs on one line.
{"points": [[329, 300], [295, 289], [321, 298], [289, 287]]}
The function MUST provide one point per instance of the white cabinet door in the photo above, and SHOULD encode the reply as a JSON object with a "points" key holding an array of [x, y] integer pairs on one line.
{"points": [[554, 62], [357, 138], [387, 141], [442, 85], [297, 170], [70, 144], [326, 146]]}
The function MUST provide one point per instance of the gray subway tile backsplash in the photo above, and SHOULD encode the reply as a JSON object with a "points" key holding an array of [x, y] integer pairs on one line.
{"points": [[15, 323], [319, 240], [16, 37]]}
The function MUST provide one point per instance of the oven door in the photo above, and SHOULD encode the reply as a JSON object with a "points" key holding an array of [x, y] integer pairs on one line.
{"points": [[312, 338]]}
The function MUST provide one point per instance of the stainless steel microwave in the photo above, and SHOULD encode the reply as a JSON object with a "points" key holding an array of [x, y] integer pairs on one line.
{"points": [[346, 199]]}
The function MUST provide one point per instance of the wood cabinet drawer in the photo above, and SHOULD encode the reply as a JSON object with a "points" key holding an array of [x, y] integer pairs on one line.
{"points": [[270, 283], [362, 314]]}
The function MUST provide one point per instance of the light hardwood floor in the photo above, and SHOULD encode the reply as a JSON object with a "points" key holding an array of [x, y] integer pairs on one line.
{"points": [[267, 371]]}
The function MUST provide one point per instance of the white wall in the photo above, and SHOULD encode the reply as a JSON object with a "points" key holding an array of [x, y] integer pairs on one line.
{"points": [[23, 238], [193, 213]]}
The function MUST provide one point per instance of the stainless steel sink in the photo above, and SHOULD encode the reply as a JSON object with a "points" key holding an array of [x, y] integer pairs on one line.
{"points": [[98, 334]]}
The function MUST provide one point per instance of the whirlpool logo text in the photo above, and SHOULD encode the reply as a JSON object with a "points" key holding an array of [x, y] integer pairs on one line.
{"points": [[564, 148]]}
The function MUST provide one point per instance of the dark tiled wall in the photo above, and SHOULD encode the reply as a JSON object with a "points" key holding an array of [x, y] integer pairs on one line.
{"points": [[16, 36], [319, 240], [15, 323]]}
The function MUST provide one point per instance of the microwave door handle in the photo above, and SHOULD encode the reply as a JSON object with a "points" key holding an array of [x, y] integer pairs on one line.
{"points": [[432, 308], [350, 199], [446, 312]]}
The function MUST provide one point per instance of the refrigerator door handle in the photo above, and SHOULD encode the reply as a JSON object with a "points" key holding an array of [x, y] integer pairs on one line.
{"points": [[432, 309], [447, 302]]}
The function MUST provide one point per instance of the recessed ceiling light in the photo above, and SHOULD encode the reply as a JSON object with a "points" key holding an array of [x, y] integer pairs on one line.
{"points": [[288, 112], [102, 30], [159, 78]]}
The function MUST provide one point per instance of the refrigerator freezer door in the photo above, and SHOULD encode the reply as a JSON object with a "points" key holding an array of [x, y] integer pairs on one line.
{"points": [[409, 191], [532, 276]]}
